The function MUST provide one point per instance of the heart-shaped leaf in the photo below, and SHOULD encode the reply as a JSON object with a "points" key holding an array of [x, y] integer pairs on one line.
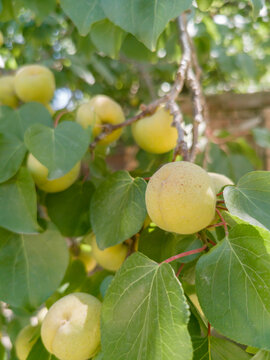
{"points": [[118, 209], [250, 199], [233, 286], [18, 204], [144, 19], [83, 13], [31, 267], [16, 122], [144, 314], [39, 352], [58, 149]]}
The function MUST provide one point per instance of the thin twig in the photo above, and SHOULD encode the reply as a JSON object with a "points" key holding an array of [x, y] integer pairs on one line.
{"points": [[189, 72]]}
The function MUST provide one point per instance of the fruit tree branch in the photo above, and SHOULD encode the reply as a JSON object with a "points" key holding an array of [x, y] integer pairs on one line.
{"points": [[188, 72]]}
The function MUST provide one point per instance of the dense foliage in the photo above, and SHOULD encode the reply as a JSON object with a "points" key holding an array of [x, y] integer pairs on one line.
{"points": [[70, 223]]}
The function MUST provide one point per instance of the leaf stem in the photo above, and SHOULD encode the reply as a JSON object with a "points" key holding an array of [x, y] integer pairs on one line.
{"points": [[186, 253], [223, 222], [58, 117], [180, 269]]}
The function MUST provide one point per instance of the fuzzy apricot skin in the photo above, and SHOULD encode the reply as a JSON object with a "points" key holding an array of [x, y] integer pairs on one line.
{"points": [[155, 134], [8, 96], [112, 257], [71, 328], [34, 83], [220, 180], [39, 173], [180, 197], [25, 340], [100, 110]]}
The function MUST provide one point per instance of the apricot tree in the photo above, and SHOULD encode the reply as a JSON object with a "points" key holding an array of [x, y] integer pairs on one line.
{"points": [[166, 256]]}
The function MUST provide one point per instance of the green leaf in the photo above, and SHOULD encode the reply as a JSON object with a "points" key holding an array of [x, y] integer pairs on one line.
{"points": [[18, 204], [233, 166], [204, 5], [250, 199], [99, 356], [31, 267], [257, 6], [17, 122], [107, 37], [92, 284], [134, 49], [9, 122], [83, 13], [12, 152], [220, 349], [144, 19], [262, 355], [74, 278], [144, 314], [233, 286], [58, 149], [69, 209], [39, 352], [262, 137], [118, 209], [159, 245], [33, 113]]}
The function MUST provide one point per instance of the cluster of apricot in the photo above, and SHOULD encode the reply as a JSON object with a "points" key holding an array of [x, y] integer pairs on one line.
{"points": [[180, 198]]}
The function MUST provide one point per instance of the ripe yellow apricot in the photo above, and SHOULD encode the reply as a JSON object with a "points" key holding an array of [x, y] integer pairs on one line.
{"points": [[155, 133], [71, 328], [100, 110], [180, 197], [220, 180], [39, 173], [25, 341], [111, 258], [7, 92], [86, 257], [35, 83]]}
